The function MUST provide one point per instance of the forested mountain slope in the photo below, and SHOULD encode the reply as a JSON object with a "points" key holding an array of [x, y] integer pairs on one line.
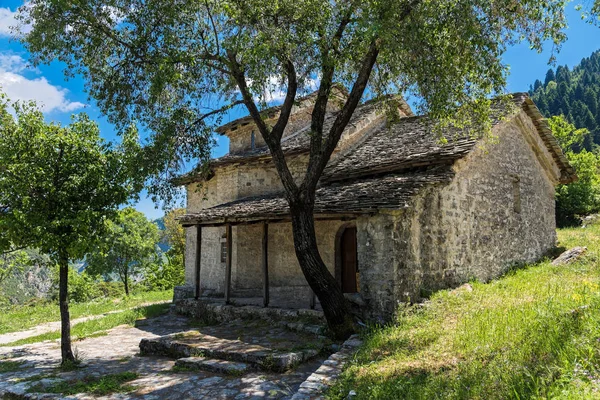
{"points": [[573, 93]]}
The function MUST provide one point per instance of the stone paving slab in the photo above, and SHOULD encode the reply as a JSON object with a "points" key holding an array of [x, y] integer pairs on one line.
{"points": [[267, 348], [212, 365], [118, 352]]}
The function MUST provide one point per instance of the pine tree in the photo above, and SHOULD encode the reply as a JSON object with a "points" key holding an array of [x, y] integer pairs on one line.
{"points": [[549, 77], [573, 93], [590, 98]]}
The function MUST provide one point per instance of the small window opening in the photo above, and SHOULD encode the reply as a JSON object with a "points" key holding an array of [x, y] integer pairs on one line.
{"points": [[223, 250], [516, 181], [252, 140]]}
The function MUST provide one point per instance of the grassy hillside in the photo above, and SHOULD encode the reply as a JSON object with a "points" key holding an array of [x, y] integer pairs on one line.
{"points": [[533, 334]]}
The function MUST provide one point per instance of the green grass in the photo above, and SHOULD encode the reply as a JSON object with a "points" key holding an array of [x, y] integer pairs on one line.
{"points": [[98, 327], [112, 383], [10, 366], [19, 318], [533, 334]]}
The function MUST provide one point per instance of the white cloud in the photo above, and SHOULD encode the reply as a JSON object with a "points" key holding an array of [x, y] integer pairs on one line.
{"points": [[9, 26], [18, 87], [12, 63], [7, 20]]}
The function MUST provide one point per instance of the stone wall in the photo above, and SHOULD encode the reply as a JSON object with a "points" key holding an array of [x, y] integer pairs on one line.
{"points": [[498, 211], [285, 275], [232, 182]]}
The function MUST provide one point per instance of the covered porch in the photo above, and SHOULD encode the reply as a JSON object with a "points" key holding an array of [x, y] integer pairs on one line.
{"points": [[257, 265]]}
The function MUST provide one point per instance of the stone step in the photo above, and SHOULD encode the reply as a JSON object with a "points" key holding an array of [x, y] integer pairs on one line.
{"points": [[191, 344], [213, 365], [298, 320]]}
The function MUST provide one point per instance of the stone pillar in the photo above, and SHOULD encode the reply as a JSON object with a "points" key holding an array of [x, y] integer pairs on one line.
{"points": [[228, 265], [198, 259], [265, 264]]}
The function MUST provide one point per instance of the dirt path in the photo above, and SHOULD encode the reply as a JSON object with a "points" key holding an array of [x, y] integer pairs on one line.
{"points": [[55, 326]]}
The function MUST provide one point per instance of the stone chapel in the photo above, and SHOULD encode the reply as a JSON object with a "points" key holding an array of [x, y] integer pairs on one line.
{"points": [[398, 214]]}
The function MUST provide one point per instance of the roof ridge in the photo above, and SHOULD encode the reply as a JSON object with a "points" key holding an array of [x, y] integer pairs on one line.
{"points": [[223, 128]]}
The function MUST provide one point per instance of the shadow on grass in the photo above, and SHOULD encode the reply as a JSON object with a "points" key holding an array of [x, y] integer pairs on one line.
{"points": [[98, 327], [553, 346]]}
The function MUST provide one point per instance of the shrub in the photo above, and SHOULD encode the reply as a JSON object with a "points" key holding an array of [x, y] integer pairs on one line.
{"points": [[110, 288], [581, 197], [82, 286], [166, 273]]}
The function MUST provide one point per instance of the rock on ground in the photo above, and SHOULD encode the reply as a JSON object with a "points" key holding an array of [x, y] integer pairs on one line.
{"points": [[569, 256]]}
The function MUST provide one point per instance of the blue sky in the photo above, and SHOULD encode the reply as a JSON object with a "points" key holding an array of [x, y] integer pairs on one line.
{"points": [[60, 98]]}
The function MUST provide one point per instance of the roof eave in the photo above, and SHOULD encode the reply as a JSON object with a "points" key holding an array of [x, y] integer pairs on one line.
{"points": [[567, 172]]}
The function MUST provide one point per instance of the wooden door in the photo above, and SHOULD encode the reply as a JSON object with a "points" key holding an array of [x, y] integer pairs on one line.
{"points": [[349, 261]]}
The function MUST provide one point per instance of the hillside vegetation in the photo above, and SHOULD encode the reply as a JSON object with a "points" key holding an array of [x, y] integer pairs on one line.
{"points": [[532, 334], [574, 94]]}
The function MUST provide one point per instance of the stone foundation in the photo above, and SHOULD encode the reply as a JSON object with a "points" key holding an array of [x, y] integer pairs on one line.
{"points": [[183, 292], [300, 320]]}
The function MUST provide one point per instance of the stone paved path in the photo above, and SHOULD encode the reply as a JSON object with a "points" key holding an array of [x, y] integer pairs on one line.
{"points": [[55, 326], [118, 352]]}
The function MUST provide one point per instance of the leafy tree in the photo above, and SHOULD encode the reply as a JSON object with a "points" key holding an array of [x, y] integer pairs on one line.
{"points": [[129, 242], [170, 273], [569, 138], [166, 64], [57, 185], [174, 234], [581, 197]]}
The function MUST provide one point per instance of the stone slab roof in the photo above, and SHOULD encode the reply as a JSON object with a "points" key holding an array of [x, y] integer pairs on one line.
{"points": [[298, 142], [383, 170], [568, 173], [407, 144], [412, 143], [363, 196]]}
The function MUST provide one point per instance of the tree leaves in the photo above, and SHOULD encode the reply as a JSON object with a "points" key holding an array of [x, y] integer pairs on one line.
{"points": [[58, 184], [128, 243], [165, 64]]}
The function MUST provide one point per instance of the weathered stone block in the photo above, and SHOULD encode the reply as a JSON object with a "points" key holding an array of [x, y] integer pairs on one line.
{"points": [[212, 365]]}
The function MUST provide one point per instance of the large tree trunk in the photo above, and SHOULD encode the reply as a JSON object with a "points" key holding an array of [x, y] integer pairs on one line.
{"points": [[65, 319], [319, 278]]}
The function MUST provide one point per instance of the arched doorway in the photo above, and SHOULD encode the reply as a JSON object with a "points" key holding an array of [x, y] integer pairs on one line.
{"points": [[348, 260]]}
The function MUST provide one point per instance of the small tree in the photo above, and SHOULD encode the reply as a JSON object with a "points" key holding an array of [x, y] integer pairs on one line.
{"points": [[130, 241], [174, 235], [57, 186]]}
